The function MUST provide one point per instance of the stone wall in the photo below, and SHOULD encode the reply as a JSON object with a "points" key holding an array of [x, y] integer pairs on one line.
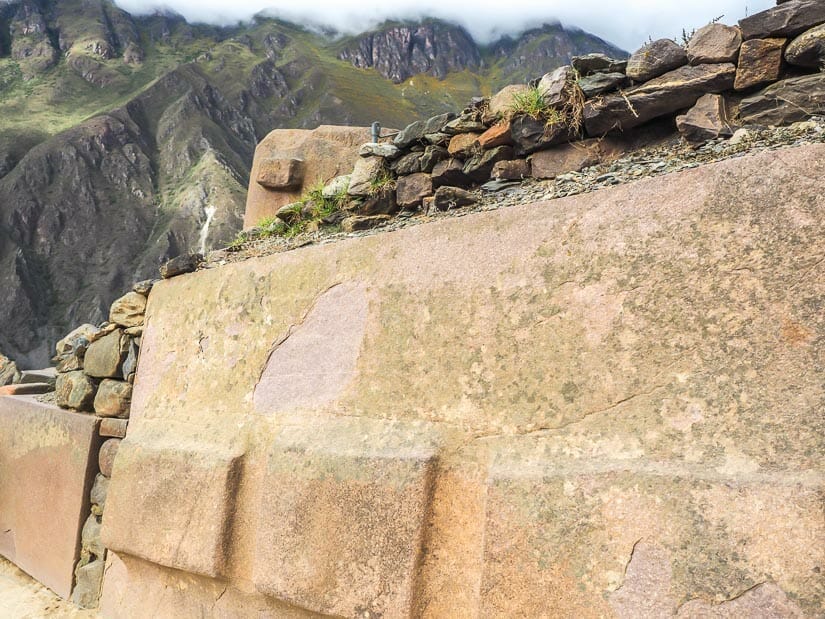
{"points": [[765, 70], [603, 405]]}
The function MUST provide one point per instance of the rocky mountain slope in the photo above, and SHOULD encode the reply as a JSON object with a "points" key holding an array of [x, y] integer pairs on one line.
{"points": [[127, 140]]}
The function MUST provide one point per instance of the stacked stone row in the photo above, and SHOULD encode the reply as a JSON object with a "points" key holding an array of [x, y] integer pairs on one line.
{"points": [[430, 164], [96, 364], [96, 368]]}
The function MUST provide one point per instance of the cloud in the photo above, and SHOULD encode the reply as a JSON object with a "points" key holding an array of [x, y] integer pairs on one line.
{"points": [[627, 23]]}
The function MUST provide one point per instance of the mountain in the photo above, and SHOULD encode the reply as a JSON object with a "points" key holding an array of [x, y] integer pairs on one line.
{"points": [[126, 140]]}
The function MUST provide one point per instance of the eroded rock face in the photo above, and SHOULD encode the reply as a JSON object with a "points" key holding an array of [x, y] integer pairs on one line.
{"points": [[443, 406], [760, 62], [403, 51]]}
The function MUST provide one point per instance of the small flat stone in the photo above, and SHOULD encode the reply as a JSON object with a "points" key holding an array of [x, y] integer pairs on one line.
{"points": [[113, 427], [181, 265], [363, 222]]}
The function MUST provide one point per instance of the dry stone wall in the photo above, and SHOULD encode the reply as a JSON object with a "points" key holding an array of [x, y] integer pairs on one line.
{"points": [[602, 405], [765, 70]]}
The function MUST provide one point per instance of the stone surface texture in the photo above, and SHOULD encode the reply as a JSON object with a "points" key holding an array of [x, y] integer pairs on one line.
{"points": [[602, 405], [786, 101], [714, 43], [669, 93], [760, 62], [327, 152], [105, 356], [706, 120], [655, 59], [808, 49], [787, 19], [47, 464]]}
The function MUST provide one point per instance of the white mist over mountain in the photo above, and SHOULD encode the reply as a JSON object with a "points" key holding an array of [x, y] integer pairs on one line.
{"points": [[626, 23]]}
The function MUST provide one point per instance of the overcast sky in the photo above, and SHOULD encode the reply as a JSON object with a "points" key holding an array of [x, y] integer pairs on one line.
{"points": [[627, 23]]}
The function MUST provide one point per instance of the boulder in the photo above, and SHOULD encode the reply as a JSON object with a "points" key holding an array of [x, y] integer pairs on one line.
{"points": [[785, 20], [367, 171], [408, 164], [532, 134], [706, 120], [363, 222], [9, 374], [600, 83], [379, 202], [415, 132], [590, 64], [450, 172], [554, 86], [655, 59], [106, 457], [280, 173], [808, 49], [75, 390], [446, 198], [113, 399], [431, 156], [463, 145], [85, 331], [412, 189], [565, 158], [714, 43], [479, 167], [105, 356], [785, 101], [501, 103], [376, 149], [187, 263], [760, 62], [466, 123], [513, 170], [128, 310], [497, 135], [336, 186], [669, 93]]}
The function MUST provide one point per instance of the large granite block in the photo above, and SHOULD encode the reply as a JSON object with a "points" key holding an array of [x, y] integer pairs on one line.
{"points": [[48, 458], [172, 505], [341, 521], [626, 536]]}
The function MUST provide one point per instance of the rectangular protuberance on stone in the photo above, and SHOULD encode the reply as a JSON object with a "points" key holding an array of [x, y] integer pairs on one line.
{"points": [[186, 497], [341, 521]]}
